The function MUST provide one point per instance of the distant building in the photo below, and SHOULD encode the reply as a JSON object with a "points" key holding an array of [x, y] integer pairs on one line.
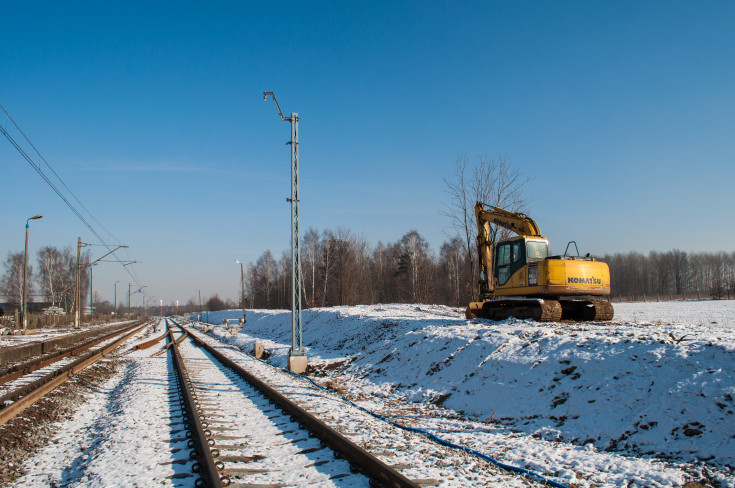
{"points": [[54, 311], [7, 308]]}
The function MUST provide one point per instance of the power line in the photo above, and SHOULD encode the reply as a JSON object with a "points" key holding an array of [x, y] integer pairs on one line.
{"points": [[39, 170]]}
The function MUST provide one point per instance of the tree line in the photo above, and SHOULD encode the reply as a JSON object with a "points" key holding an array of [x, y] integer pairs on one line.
{"points": [[341, 268], [672, 274], [53, 278]]}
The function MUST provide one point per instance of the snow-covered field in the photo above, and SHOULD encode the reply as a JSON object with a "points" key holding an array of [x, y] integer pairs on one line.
{"points": [[646, 400]]}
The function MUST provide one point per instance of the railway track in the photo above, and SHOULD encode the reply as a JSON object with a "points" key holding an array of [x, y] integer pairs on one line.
{"points": [[257, 426], [279, 445], [185, 410], [20, 360], [24, 385]]}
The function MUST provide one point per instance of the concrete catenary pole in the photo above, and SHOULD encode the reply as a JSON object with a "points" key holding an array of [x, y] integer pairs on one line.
{"points": [[78, 294]]}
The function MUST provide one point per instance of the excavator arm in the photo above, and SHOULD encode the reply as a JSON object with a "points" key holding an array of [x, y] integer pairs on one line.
{"points": [[485, 215]]}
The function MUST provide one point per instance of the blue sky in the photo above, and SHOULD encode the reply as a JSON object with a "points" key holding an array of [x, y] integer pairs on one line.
{"points": [[622, 113]]}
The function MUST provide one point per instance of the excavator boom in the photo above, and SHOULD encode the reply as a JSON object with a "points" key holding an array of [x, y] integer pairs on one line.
{"points": [[519, 223]]}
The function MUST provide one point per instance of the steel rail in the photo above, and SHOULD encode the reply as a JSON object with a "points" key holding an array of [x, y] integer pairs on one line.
{"points": [[171, 342], [24, 397], [147, 344], [29, 387], [204, 456], [17, 371], [358, 457]]}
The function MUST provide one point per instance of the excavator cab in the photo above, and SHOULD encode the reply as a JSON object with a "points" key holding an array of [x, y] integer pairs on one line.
{"points": [[512, 255]]}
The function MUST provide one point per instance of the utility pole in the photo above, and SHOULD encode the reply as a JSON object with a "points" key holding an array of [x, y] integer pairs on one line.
{"points": [[139, 290], [78, 294], [91, 299], [297, 356], [200, 306], [242, 291], [115, 309]]}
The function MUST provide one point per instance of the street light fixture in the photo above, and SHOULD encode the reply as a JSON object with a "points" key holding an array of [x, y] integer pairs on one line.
{"points": [[25, 272], [297, 355]]}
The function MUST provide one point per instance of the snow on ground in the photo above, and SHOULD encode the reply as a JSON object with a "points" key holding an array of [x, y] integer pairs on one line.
{"points": [[117, 434], [42, 334], [648, 399], [700, 312]]}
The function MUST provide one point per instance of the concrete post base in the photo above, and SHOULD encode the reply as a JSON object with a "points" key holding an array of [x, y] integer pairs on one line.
{"points": [[258, 350], [23, 331], [297, 364]]}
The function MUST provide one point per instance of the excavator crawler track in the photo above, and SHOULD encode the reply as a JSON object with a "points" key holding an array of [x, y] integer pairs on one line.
{"points": [[586, 310], [520, 308]]}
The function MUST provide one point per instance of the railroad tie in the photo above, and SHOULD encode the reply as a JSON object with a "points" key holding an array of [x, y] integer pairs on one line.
{"points": [[258, 485]]}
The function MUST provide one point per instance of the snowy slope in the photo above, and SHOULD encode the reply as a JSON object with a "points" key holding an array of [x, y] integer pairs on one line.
{"points": [[592, 403]]}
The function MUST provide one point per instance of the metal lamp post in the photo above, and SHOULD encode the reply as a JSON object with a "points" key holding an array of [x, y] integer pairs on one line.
{"points": [[297, 355], [115, 309], [91, 299], [25, 272], [242, 289]]}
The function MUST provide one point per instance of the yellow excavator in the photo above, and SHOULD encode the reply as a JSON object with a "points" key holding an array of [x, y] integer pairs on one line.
{"points": [[521, 280]]}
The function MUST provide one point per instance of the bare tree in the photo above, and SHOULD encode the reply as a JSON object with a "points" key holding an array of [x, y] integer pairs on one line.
{"points": [[215, 303], [679, 269], [453, 263], [266, 274], [489, 180], [344, 266], [309, 261], [459, 209], [191, 306], [252, 285], [283, 271], [11, 285], [379, 274], [413, 263], [326, 264], [56, 275]]}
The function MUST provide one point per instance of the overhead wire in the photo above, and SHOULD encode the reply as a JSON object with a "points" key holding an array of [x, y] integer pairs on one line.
{"points": [[45, 177]]}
